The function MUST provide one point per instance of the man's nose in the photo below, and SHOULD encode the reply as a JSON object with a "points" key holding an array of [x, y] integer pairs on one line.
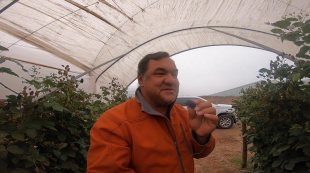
{"points": [[170, 79]]}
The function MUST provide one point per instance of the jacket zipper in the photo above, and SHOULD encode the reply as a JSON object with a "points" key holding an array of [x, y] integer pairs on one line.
{"points": [[175, 143], [189, 148]]}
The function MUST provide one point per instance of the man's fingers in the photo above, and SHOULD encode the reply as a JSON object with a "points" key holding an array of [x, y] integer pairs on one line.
{"points": [[208, 110], [211, 117], [201, 104], [192, 113], [202, 107]]}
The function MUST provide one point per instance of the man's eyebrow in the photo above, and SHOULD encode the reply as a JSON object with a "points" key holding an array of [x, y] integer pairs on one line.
{"points": [[160, 69], [164, 70]]}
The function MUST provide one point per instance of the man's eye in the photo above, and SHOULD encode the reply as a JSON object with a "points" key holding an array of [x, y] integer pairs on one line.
{"points": [[161, 74]]}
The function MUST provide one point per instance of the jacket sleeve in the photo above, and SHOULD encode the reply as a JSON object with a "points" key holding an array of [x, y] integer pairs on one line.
{"points": [[200, 151], [109, 152]]}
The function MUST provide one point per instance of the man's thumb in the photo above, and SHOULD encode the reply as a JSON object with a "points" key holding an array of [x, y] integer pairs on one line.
{"points": [[190, 107], [192, 113]]}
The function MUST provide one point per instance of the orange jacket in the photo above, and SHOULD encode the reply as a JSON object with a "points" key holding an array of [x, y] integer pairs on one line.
{"points": [[126, 139]]}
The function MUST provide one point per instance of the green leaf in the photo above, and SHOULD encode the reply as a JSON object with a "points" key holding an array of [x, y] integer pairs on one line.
{"points": [[50, 127], [47, 105], [2, 148], [34, 152], [8, 71], [84, 153], [16, 62], [295, 76], [306, 150], [16, 115], [62, 145], [294, 160], [306, 28], [3, 48], [49, 123], [37, 85], [276, 30], [31, 133], [49, 82], [299, 159], [73, 130], [18, 136], [306, 113], [28, 163], [298, 24], [3, 134], [308, 164], [291, 19], [289, 166], [295, 108], [283, 148], [15, 160], [276, 163], [299, 43], [301, 146], [62, 137], [73, 166], [35, 125], [57, 153], [306, 38], [71, 153], [303, 50], [3, 164], [262, 70], [60, 85], [41, 158], [19, 170], [15, 149], [255, 104], [282, 24], [63, 157], [3, 152], [12, 97], [58, 107], [295, 131], [2, 60]]}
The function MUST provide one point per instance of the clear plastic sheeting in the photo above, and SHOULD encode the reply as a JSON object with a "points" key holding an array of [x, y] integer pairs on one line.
{"points": [[87, 33]]}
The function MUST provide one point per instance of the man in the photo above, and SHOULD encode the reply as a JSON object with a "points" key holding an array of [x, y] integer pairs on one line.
{"points": [[149, 134]]}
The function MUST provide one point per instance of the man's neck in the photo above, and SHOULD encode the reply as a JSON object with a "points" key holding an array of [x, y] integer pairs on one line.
{"points": [[161, 109]]}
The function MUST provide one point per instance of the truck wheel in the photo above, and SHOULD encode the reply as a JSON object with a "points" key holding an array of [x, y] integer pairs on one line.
{"points": [[225, 122]]}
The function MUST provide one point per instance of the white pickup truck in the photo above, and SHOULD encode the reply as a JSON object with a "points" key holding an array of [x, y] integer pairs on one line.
{"points": [[225, 112]]}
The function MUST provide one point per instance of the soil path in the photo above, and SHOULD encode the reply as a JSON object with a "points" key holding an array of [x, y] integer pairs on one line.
{"points": [[227, 155]]}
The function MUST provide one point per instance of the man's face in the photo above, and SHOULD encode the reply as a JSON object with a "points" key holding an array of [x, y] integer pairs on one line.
{"points": [[160, 86]]}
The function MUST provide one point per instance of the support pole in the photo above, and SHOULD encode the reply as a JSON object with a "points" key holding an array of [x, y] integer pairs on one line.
{"points": [[8, 6], [253, 42], [80, 75], [244, 147]]}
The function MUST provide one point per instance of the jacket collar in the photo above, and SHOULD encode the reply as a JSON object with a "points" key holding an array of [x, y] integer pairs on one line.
{"points": [[146, 107]]}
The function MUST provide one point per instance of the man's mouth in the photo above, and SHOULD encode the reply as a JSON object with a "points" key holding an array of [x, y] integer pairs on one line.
{"points": [[168, 89]]}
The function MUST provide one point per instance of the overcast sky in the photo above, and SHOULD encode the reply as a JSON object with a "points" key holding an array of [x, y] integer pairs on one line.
{"points": [[210, 70]]}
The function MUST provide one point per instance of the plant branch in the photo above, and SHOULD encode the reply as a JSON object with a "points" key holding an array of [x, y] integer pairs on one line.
{"points": [[8, 88]]}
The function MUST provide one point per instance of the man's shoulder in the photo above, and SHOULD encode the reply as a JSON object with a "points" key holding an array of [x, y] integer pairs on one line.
{"points": [[127, 111]]}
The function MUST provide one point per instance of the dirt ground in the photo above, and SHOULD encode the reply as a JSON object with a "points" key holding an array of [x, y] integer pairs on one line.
{"points": [[227, 155]]}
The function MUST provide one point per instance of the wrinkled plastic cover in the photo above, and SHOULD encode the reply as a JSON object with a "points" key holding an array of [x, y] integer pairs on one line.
{"points": [[86, 33]]}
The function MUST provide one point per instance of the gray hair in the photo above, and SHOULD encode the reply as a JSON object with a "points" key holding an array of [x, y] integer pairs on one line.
{"points": [[144, 62]]}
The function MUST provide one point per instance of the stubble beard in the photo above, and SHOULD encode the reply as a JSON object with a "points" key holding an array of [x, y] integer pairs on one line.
{"points": [[167, 102]]}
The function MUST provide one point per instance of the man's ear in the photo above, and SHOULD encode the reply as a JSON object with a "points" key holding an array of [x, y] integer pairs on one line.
{"points": [[140, 80]]}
